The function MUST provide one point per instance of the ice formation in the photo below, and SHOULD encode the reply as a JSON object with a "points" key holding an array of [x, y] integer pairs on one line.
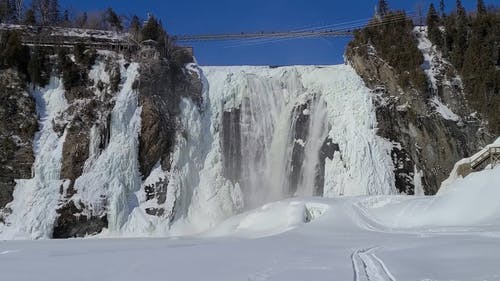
{"points": [[282, 112], [35, 200]]}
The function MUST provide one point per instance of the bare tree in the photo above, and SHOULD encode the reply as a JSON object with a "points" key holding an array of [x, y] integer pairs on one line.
{"points": [[42, 9], [19, 9]]}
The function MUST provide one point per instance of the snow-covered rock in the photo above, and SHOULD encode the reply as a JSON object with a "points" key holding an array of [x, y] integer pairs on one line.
{"points": [[432, 125]]}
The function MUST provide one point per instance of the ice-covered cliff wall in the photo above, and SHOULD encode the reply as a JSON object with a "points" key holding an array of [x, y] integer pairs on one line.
{"points": [[426, 114], [176, 151], [263, 134]]}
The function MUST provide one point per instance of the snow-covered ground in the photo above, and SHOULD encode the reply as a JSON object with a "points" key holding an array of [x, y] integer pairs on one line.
{"points": [[453, 236]]}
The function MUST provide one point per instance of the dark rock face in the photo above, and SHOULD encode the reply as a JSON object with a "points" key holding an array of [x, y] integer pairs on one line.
{"points": [[231, 144], [89, 106], [18, 124], [422, 137], [75, 153], [72, 222], [161, 86], [157, 193], [300, 132], [328, 150], [86, 109]]}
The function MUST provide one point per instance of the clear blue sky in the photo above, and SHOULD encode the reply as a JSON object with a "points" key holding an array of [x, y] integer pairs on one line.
{"points": [[221, 16]]}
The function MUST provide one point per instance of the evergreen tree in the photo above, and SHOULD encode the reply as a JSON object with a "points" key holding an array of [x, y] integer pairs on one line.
{"points": [[114, 20], [459, 37], [135, 27], [82, 20], [54, 16], [14, 54], [29, 17], [7, 11], [382, 8], [460, 9], [151, 30], [434, 32], [395, 44], [442, 8], [4, 11], [479, 72], [481, 8], [65, 19]]}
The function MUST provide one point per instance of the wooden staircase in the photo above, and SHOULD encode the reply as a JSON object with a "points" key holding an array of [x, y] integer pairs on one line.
{"points": [[491, 154]]}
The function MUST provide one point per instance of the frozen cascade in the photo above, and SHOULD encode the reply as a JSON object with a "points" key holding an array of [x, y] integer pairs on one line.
{"points": [[198, 195], [259, 136], [318, 131], [268, 106], [115, 173], [35, 200]]}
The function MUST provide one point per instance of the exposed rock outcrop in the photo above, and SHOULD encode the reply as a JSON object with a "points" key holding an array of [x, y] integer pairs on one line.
{"points": [[425, 138], [231, 144], [18, 124], [160, 86]]}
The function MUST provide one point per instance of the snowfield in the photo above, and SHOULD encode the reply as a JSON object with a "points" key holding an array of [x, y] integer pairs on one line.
{"points": [[451, 236]]}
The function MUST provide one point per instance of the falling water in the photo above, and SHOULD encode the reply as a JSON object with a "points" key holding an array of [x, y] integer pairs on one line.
{"points": [[279, 122]]}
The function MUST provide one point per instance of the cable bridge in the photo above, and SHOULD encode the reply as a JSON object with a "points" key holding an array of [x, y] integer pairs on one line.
{"points": [[264, 35], [346, 29], [52, 36]]}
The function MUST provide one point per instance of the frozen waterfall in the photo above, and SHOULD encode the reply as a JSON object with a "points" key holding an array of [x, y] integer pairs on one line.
{"points": [[260, 135], [300, 130]]}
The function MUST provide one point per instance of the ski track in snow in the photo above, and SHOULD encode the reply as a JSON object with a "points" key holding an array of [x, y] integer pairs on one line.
{"points": [[368, 267], [6, 252]]}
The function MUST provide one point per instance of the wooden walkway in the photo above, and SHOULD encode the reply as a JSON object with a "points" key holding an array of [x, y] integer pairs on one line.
{"points": [[492, 154], [489, 156]]}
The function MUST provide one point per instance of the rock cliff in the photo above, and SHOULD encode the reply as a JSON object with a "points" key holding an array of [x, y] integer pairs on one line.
{"points": [[18, 124], [431, 128], [85, 126]]}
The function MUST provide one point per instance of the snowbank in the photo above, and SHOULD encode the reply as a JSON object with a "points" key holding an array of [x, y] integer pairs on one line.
{"points": [[471, 201]]}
